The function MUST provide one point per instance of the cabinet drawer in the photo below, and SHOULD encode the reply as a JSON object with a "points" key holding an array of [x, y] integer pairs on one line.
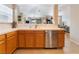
{"points": [[2, 37], [11, 34]]}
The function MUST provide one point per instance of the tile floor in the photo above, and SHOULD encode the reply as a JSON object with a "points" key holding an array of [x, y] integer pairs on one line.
{"points": [[70, 48]]}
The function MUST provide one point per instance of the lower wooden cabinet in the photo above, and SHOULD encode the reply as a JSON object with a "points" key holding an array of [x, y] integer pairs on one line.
{"points": [[31, 39], [15, 42], [2, 44], [2, 47], [39, 39], [11, 43], [58, 37], [61, 37], [35, 39], [28, 39], [21, 39]]}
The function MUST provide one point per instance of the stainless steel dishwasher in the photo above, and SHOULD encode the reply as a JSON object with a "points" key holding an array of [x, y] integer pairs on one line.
{"points": [[51, 39]]}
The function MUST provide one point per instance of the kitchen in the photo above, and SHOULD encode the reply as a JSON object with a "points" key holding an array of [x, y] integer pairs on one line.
{"points": [[33, 26]]}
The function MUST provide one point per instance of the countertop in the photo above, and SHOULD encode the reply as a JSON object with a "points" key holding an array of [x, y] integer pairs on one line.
{"points": [[31, 27]]}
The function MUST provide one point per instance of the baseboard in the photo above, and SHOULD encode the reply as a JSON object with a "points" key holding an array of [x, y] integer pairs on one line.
{"points": [[74, 41]]}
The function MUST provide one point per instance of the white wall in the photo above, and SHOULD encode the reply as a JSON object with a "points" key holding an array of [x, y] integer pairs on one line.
{"points": [[74, 25], [72, 20], [5, 14], [5, 23], [64, 11]]}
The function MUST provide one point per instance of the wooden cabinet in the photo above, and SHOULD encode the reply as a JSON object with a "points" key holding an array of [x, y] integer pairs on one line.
{"points": [[30, 38], [39, 39], [35, 39], [2, 44], [11, 42], [2, 47], [21, 39], [2, 37], [58, 37], [61, 37]]}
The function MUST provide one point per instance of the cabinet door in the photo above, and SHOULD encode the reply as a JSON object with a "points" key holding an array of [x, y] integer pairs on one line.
{"points": [[39, 39], [14, 42], [61, 38], [21, 40], [11, 44], [29, 37], [2, 47]]}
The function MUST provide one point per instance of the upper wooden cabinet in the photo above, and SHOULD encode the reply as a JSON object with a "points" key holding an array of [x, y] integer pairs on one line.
{"points": [[2, 44], [11, 42]]}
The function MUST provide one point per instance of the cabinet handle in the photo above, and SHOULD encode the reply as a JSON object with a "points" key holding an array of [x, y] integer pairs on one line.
{"points": [[1, 42]]}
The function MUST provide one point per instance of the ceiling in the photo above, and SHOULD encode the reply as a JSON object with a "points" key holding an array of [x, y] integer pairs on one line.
{"points": [[36, 10]]}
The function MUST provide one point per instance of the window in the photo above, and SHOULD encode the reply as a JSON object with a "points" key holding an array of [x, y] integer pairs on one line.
{"points": [[5, 14]]}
